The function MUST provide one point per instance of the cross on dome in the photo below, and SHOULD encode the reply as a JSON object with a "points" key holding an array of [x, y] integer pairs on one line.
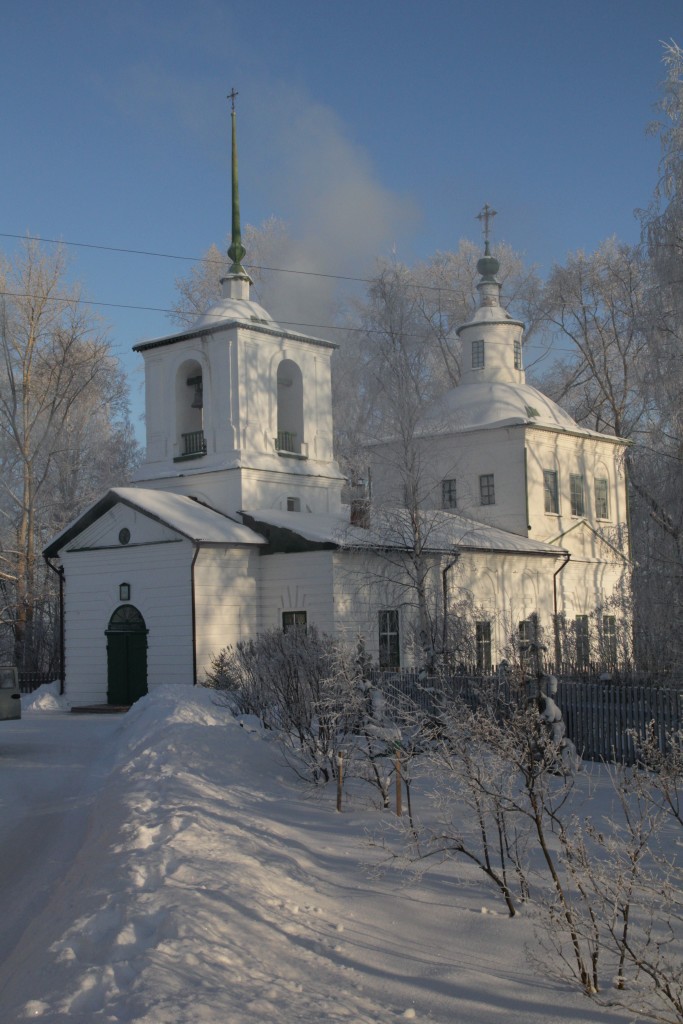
{"points": [[486, 215]]}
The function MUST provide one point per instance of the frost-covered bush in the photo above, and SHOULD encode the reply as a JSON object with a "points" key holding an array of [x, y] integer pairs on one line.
{"points": [[314, 692], [299, 682], [603, 884]]}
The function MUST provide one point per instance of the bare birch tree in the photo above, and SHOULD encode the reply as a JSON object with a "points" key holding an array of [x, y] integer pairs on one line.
{"points": [[63, 429]]}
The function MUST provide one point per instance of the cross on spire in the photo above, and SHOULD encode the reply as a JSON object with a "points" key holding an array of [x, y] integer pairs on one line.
{"points": [[231, 96], [486, 215]]}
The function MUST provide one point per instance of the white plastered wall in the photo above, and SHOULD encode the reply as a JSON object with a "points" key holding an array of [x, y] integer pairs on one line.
{"points": [[156, 564], [226, 600], [297, 582]]}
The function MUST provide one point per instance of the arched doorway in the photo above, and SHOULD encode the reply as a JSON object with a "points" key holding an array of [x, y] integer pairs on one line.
{"points": [[126, 656]]}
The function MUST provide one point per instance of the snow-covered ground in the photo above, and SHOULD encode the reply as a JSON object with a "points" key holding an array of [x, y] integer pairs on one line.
{"points": [[163, 867]]}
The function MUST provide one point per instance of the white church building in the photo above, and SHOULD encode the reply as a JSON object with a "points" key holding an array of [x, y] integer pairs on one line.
{"points": [[235, 522]]}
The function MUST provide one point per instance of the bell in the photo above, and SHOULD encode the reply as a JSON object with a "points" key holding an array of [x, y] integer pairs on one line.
{"points": [[198, 399]]}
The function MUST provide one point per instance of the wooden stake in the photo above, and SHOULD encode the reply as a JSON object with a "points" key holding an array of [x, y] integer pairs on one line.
{"points": [[340, 779], [399, 794]]}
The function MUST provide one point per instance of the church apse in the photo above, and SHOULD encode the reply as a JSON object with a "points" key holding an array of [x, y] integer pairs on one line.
{"points": [[290, 410], [190, 442]]}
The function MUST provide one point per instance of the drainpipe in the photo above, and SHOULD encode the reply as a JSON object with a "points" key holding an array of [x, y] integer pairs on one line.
{"points": [[62, 663], [627, 500], [526, 492], [194, 617], [444, 593], [558, 650]]}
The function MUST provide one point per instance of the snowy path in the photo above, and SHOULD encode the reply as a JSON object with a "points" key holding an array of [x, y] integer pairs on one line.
{"points": [[51, 766], [172, 873]]}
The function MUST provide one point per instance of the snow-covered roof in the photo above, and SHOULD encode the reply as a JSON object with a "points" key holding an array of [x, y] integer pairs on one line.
{"points": [[188, 517], [231, 309], [497, 404], [489, 315], [227, 312], [390, 528]]}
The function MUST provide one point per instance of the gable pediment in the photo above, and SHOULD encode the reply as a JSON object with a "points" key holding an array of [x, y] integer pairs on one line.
{"points": [[123, 526], [583, 542], [150, 517]]}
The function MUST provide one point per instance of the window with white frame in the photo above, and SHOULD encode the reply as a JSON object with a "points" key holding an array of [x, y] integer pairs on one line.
{"points": [[551, 491], [518, 353], [576, 494], [487, 491], [609, 639], [389, 639], [601, 486], [294, 504], [483, 646], [294, 620], [448, 494], [581, 633], [478, 355], [529, 642]]}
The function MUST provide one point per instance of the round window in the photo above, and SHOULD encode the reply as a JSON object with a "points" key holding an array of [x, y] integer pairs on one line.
{"points": [[124, 535]]}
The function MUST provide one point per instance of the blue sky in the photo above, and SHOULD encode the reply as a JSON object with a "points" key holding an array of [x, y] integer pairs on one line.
{"points": [[368, 127]]}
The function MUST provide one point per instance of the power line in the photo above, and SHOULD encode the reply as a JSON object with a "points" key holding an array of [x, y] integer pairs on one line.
{"points": [[219, 317], [222, 262], [193, 259]]}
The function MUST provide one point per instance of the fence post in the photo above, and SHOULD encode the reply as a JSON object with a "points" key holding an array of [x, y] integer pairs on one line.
{"points": [[340, 779], [399, 785]]}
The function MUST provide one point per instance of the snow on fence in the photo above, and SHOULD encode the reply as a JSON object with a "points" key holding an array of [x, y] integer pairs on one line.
{"points": [[30, 681], [602, 719]]}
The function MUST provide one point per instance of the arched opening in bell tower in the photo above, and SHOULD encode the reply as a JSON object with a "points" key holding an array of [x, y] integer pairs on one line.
{"points": [[189, 411], [290, 408]]}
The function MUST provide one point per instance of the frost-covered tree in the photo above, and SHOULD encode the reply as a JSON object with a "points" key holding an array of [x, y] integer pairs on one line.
{"points": [[266, 247], [621, 308], [64, 434]]}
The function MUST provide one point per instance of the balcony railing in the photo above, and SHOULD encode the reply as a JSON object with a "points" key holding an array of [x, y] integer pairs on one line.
{"points": [[286, 441], [287, 444], [193, 445]]}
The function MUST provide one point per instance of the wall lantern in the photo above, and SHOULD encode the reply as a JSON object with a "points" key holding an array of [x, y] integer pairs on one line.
{"points": [[124, 591]]}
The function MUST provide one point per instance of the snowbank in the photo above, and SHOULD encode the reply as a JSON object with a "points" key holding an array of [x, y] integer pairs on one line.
{"points": [[45, 698], [210, 887]]}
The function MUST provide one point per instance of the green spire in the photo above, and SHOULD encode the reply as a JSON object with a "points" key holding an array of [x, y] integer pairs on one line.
{"points": [[236, 252]]}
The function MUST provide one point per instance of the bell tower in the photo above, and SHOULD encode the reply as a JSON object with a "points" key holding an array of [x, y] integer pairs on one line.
{"points": [[239, 410], [491, 340]]}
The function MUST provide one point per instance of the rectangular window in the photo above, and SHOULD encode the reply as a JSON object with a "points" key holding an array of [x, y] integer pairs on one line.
{"points": [[551, 491], [609, 639], [487, 492], [582, 641], [601, 499], [389, 646], [477, 355], [526, 633], [293, 504], [448, 494], [518, 354], [293, 620], [483, 646], [576, 494]]}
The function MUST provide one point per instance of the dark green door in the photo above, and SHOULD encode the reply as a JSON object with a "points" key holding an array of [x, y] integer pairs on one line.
{"points": [[126, 656]]}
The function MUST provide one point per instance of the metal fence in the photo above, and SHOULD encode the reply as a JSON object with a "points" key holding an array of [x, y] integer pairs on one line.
{"points": [[602, 719]]}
